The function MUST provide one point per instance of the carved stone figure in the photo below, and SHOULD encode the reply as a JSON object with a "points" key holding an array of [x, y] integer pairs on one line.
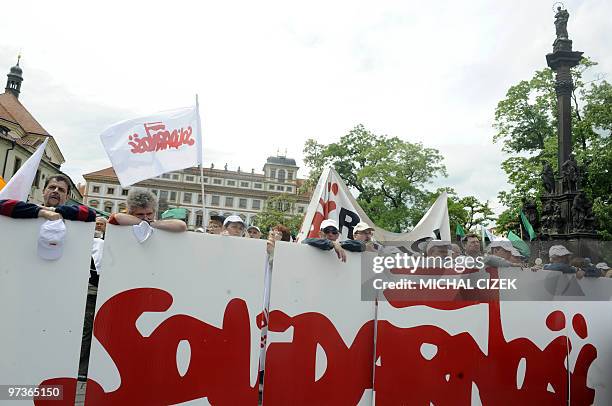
{"points": [[531, 212], [548, 178], [570, 174], [561, 18], [582, 213], [557, 218], [547, 212]]}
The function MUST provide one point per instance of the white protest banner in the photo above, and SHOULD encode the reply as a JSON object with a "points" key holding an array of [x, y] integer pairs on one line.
{"points": [[42, 303], [176, 320], [494, 352], [333, 200], [20, 184], [145, 147], [320, 333]]}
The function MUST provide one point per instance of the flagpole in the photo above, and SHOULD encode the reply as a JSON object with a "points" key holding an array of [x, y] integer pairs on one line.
{"points": [[200, 159]]}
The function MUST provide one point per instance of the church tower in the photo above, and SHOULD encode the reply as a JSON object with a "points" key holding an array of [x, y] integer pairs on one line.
{"points": [[14, 79]]}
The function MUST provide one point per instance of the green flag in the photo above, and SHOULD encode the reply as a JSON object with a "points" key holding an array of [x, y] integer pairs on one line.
{"points": [[459, 231], [180, 214], [519, 244], [528, 227]]}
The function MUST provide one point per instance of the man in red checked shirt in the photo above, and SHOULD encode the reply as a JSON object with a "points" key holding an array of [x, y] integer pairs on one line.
{"points": [[55, 194]]}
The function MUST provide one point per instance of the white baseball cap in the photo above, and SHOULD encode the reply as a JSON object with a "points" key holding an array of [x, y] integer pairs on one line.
{"points": [[328, 223], [253, 226], [437, 243], [51, 239], [233, 219], [558, 251], [603, 266], [506, 245], [362, 226]]}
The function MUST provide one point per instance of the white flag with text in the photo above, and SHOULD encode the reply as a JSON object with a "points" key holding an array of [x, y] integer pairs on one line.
{"points": [[145, 147]]}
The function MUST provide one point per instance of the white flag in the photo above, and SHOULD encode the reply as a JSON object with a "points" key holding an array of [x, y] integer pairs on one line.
{"points": [[333, 200], [20, 185], [146, 147]]}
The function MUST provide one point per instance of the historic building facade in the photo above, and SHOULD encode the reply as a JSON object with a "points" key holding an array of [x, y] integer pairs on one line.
{"points": [[226, 192], [21, 134]]}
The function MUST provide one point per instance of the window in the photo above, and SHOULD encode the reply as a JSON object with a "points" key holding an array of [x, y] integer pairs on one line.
{"points": [[281, 188], [256, 204], [16, 165], [301, 209], [94, 203], [271, 187], [214, 200], [289, 189], [122, 208], [244, 184], [189, 178], [242, 203], [166, 176], [199, 198], [110, 191], [95, 189], [124, 192], [205, 180], [37, 179], [154, 191], [257, 185], [108, 207], [231, 183], [281, 175], [175, 176], [289, 175], [199, 219], [217, 181], [229, 202], [186, 197], [173, 196], [163, 195], [273, 173]]}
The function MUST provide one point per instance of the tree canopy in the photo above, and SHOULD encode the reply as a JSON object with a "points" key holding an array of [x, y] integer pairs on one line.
{"points": [[279, 210], [388, 174]]}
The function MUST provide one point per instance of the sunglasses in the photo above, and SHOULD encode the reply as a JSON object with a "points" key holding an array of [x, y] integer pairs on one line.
{"points": [[330, 230]]}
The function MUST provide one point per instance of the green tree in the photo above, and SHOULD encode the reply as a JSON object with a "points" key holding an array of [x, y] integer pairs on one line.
{"points": [[526, 124], [279, 210], [468, 211], [388, 174]]}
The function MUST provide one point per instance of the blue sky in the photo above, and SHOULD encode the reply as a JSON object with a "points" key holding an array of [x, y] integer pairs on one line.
{"points": [[272, 74]]}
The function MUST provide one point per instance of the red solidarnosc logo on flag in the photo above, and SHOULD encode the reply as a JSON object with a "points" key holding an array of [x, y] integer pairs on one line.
{"points": [[158, 138]]}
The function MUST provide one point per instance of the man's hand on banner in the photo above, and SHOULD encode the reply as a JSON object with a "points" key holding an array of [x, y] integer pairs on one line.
{"points": [[49, 214], [339, 251]]}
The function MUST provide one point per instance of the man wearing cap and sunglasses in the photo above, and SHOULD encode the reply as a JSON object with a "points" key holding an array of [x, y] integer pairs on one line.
{"points": [[329, 235]]}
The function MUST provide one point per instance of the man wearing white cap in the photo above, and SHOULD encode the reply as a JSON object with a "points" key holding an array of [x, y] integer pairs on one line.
{"points": [[605, 269], [501, 255], [233, 226], [363, 232], [560, 260], [329, 235], [253, 232]]}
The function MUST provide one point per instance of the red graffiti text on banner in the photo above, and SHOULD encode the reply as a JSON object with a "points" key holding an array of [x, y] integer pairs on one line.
{"points": [[158, 138]]}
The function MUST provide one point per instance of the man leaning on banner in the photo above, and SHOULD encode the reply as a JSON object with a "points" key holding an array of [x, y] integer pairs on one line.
{"points": [[56, 190]]}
